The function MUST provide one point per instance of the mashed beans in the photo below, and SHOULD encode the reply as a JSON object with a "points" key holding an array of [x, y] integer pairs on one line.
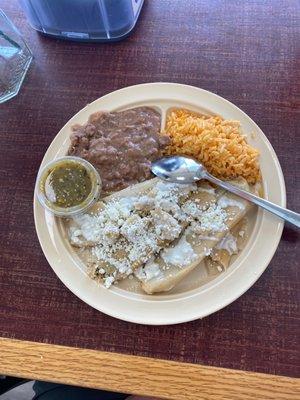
{"points": [[121, 145]]}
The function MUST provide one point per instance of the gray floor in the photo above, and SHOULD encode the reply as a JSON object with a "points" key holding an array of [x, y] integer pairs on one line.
{"points": [[22, 392]]}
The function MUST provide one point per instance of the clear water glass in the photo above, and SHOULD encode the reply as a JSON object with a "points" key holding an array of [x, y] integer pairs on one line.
{"points": [[15, 58]]}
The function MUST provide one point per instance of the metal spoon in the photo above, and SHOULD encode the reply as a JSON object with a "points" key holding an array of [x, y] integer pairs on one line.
{"points": [[186, 170]]}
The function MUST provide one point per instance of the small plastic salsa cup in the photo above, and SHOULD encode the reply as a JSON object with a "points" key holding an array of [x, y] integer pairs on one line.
{"points": [[87, 202]]}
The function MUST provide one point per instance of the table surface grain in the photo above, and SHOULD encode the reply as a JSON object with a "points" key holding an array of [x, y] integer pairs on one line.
{"points": [[245, 51]]}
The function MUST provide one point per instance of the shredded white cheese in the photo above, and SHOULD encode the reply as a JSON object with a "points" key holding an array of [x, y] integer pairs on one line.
{"points": [[181, 254], [166, 227], [150, 271]]}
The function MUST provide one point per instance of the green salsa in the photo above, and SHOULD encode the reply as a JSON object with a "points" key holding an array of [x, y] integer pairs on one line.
{"points": [[69, 184]]}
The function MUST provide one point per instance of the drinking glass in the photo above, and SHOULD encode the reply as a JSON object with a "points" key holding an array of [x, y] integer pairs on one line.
{"points": [[15, 58]]}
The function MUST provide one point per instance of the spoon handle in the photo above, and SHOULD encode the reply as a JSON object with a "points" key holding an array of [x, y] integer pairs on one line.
{"points": [[284, 213]]}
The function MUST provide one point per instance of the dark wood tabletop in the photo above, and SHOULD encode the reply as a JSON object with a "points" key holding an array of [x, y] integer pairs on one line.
{"points": [[245, 51]]}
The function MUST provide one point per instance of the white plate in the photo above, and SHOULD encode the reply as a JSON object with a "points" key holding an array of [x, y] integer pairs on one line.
{"points": [[187, 303]]}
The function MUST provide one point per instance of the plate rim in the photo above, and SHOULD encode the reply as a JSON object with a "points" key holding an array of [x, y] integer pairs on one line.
{"points": [[183, 318]]}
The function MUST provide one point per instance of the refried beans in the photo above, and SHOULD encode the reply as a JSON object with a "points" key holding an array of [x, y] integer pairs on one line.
{"points": [[121, 145]]}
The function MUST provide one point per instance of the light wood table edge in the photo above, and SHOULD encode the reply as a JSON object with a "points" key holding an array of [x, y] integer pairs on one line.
{"points": [[139, 375]]}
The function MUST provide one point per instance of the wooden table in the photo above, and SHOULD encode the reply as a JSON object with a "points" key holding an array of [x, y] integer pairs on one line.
{"points": [[245, 51]]}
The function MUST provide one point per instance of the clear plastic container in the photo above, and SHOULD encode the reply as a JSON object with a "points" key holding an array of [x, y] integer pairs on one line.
{"points": [[83, 20], [50, 205]]}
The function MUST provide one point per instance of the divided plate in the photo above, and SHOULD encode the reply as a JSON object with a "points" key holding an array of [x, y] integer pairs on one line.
{"points": [[197, 296]]}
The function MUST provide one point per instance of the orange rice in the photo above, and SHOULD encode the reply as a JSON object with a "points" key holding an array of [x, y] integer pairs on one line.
{"points": [[217, 143]]}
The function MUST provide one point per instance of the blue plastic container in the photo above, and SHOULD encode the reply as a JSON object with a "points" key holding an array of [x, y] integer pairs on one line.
{"points": [[83, 20]]}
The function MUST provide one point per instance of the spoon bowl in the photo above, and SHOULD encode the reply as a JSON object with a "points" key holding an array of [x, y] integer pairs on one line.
{"points": [[178, 169]]}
